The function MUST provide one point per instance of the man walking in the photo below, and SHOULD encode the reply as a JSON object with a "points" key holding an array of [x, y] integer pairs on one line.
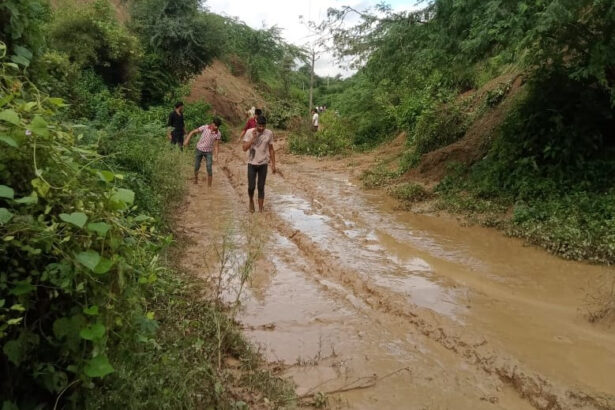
{"points": [[175, 124], [207, 147], [259, 141], [314, 120]]}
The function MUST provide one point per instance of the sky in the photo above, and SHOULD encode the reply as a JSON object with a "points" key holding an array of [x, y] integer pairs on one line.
{"points": [[285, 14]]}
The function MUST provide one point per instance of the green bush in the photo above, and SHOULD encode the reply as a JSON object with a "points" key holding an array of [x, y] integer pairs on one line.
{"points": [[378, 177], [76, 254], [54, 72], [22, 26], [89, 315], [333, 137], [410, 158], [179, 39], [409, 192], [93, 39], [579, 225], [280, 113], [497, 95], [437, 128]]}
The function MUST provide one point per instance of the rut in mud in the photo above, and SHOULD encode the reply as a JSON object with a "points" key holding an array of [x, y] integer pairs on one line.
{"points": [[424, 313]]}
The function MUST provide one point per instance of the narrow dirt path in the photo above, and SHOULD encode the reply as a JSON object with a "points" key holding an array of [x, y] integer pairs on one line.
{"points": [[423, 312]]}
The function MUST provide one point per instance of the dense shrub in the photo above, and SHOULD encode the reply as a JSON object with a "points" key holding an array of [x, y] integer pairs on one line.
{"points": [[93, 39], [22, 25], [55, 74], [333, 137], [89, 315], [179, 38], [409, 192], [438, 128], [75, 254], [281, 112]]}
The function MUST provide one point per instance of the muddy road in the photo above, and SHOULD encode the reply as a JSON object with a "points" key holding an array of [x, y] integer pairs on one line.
{"points": [[386, 309]]}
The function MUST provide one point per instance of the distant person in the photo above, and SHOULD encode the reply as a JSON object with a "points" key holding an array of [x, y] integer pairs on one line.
{"points": [[259, 141], [207, 147], [314, 120], [251, 123], [175, 126]]}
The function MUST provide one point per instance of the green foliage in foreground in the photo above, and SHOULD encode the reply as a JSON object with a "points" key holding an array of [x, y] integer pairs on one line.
{"points": [[92, 38], [74, 251], [89, 315]]}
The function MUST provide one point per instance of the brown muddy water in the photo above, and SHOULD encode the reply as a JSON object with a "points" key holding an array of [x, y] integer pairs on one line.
{"points": [[385, 309]]}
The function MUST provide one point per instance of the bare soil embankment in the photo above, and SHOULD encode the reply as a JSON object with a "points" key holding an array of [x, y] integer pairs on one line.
{"points": [[229, 96]]}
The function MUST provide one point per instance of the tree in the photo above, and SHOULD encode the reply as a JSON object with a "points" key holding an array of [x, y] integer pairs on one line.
{"points": [[21, 28], [92, 38], [180, 39]]}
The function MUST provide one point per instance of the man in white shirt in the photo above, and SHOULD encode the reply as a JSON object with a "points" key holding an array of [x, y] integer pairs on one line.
{"points": [[314, 120], [259, 141]]}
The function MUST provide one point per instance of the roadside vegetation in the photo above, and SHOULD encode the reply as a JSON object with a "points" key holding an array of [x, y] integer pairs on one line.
{"points": [[508, 108], [93, 313], [333, 137]]}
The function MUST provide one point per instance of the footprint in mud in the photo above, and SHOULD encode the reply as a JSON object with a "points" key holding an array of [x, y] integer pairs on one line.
{"points": [[563, 339]]}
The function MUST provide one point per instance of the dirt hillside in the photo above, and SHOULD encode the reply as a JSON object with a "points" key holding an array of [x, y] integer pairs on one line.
{"points": [[476, 141], [230, 96]]}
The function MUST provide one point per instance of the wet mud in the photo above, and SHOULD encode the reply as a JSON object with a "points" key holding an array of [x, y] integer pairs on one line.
{"points": [[381, 308]]}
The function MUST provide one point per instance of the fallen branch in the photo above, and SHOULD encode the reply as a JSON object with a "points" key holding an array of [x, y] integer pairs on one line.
{"points": [[367, 382]]}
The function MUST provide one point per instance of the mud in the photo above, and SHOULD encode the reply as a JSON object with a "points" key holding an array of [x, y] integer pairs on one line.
{"points": [[398, 310]]}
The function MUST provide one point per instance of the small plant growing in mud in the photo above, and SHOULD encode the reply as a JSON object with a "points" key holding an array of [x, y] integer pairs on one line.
{"points": [[317, 358], [600, 300], [234, 265], [497, 95], [378, 176], [409, 192], [320, 400], [230, 263]]}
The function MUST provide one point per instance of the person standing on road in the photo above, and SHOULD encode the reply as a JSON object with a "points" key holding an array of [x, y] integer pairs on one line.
{"points": [[259, 141], [251, 123], [314, 120], [175, 126], [207, 147]]}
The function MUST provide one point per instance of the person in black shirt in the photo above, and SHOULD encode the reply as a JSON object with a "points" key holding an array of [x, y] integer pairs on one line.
{"points": [[176, 121]]}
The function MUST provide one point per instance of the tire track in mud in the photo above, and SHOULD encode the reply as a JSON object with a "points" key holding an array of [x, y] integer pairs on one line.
{"points": [[474, 349]]}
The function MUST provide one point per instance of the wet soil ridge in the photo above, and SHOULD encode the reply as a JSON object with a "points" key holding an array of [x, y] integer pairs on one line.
{"points": [[475, 349]]}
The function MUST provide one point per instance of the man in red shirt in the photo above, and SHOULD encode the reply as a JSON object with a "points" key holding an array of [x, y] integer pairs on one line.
{"points": [[251, 123], [206, 147]]}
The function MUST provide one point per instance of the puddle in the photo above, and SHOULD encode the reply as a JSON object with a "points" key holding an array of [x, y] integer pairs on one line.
{"points": [[520, 296], [365, 251]]}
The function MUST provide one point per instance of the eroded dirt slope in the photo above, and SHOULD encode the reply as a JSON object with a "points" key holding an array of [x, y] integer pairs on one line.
{"points": [[228, 95]]}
